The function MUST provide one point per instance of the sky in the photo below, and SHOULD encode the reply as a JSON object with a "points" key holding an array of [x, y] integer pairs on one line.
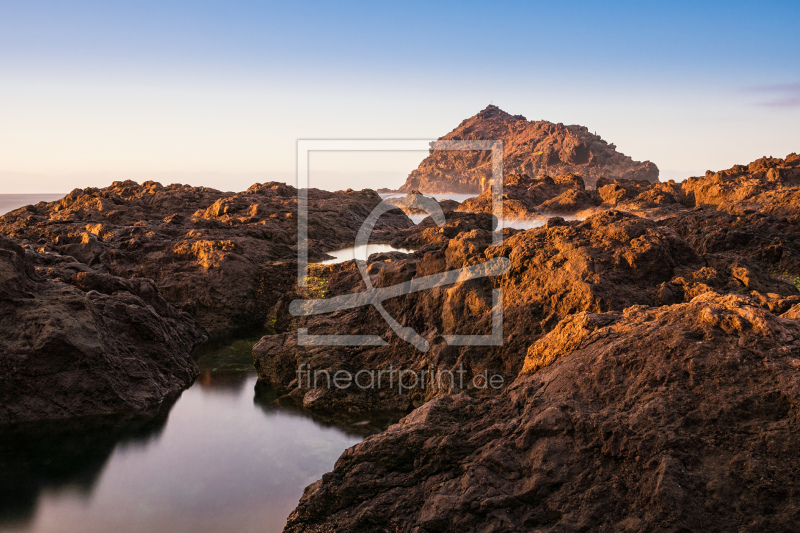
{"points": [[218, 93]]}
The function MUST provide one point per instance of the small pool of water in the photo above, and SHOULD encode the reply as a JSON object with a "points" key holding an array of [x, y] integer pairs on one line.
{"points": [[525, 223], [223, 459], [361, 252]]}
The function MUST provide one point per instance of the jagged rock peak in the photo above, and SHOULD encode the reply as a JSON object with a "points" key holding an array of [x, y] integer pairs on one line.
{"points": [[537, 148]]}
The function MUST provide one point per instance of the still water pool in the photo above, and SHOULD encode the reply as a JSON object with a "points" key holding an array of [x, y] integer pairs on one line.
{"points": [[223, 459]]}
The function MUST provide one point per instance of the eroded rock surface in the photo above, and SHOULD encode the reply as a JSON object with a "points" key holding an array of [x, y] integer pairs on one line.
{"points": [[654, 367], [77, 342], [224, 258], [536, 148], [682, 417], [610, 261]]}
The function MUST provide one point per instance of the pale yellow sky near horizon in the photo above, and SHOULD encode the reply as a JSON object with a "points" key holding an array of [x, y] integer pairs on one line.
{"points": [[56, 137]]}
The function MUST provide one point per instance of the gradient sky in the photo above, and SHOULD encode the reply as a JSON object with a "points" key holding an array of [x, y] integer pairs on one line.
{"points": [[217, 93]]}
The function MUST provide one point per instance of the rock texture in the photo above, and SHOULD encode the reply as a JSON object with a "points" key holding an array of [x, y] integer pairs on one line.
{"points": [[77, 342], [99, 315], [654, 366], [610, 261], [678, 418], [535, 148], [526, 198], [750, 211], [224, 258], [407, 203]]}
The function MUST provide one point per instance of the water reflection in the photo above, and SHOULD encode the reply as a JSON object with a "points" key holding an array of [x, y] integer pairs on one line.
{"points": [[357, 425], [361, 252], [219, 460], [62, 457]]}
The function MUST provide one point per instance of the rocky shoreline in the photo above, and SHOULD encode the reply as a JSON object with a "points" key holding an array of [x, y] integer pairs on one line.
{"points": [[106, 291], [653, 363], [650, 362]]}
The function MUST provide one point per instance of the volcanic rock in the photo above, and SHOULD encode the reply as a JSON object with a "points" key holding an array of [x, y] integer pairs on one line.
{"points": [[610, 261], [535, 148], [677, 418], [77, 342], [524, 197], [224, 258]]}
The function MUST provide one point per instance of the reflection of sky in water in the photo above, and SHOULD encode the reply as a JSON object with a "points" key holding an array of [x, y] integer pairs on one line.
{"points": [[360, 252], [221, 464]]}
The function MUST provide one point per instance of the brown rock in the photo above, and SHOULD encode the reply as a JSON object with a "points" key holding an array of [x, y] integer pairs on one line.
{"points": [[534, 148], [81, 343], [608, 262], [676, 418], [224, 258]]}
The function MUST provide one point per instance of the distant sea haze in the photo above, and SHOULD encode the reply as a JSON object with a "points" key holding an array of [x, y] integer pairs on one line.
{"points": [[9, 202]]}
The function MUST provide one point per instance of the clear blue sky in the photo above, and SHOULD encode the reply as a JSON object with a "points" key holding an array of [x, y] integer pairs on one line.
{"points": [[217, 93]]}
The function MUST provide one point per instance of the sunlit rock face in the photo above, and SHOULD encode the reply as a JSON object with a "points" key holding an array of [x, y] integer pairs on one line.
{"points": [[656, 371], [671, 418], [536, 148], [225, 258]]}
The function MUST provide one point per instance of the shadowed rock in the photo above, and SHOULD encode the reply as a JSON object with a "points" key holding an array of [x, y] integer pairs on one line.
{"points": [[78, 343], [225, 258], [681, 417]]}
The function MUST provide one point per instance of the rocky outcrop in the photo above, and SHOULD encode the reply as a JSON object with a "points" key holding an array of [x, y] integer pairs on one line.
{"points": [[408, 204], [768, 185], [526, 198], [750, 211], [681, 417], [224, 258], [608, 262], [77, 342], [536, 148], [655, 367]]}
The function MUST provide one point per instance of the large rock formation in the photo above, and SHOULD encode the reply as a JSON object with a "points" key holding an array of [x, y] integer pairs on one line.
{"points": [[224, 258], [88, 322], [76, 342], [678, 418], [536, 148], [655, 367], [610, 261]]}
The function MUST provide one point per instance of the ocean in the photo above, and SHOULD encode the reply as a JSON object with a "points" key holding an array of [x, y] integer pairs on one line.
{"points": [[9, 202]]}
